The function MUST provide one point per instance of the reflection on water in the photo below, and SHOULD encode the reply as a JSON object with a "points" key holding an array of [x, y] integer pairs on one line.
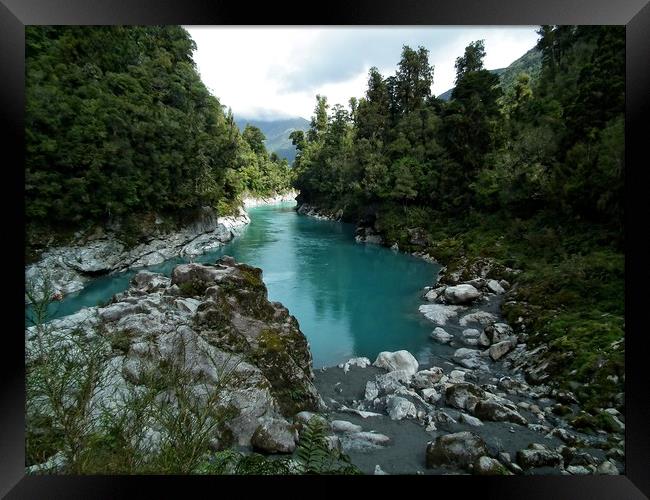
{"points": [[350, 299]]}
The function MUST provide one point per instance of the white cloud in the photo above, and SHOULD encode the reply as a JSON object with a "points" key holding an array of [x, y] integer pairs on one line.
{"points": [[273, 72]]}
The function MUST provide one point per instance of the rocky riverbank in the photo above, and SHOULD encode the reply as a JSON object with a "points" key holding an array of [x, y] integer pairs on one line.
{"points": [[103, 251], [318, 213], [365, 231], [250, 201], [239, 362], [480, 405]]}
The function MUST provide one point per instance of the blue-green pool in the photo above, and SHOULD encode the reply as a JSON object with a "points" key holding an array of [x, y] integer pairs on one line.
{"points": [[350, 299]]}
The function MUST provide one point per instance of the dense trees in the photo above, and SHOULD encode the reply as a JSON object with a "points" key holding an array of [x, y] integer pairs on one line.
{"points": [[553, 140], [119, 122], [528, 173]]}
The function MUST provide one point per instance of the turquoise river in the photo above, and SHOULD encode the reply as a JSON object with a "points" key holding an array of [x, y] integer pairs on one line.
{"points": [[350, 299]]}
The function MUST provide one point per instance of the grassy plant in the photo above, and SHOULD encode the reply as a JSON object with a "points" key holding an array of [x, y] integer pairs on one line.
{"points": [[63, 375]]}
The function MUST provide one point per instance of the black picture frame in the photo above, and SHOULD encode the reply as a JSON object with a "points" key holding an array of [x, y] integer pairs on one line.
{"points": [[635, 14]]}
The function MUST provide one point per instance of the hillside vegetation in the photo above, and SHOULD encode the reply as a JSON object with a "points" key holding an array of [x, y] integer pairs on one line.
{"points": [[118, 122], [277, 134], [531, 177]]}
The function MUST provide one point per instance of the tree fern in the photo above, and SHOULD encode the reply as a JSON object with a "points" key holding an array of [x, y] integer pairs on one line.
{"points": [[314, 455]]}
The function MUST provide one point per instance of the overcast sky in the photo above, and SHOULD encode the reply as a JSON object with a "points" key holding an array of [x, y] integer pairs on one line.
{"points": [[271, 72]]}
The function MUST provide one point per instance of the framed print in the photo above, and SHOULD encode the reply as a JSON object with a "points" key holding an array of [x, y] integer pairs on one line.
{"points": [[304, 245]]}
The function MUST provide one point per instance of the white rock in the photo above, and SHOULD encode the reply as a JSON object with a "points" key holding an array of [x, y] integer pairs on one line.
{"points": [[471, 333], [440, 335], [500, 349], [495, 287], [399, 408], [372, 391], [461, 294], [439, 313], [392, 381], [360, 362], [361, 413], [399, 360], [379, 471], [427, 378], [578, 470], [480, 317], [363, 441], [431, 395], [469, 358], [345, 426]]}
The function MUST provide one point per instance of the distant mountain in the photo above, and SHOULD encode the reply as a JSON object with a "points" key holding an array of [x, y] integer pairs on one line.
{"points": [[277, 134], [530, 62]]}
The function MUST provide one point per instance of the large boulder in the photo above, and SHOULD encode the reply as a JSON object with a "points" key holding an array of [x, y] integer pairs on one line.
{"points": [[469, 358], [500, 349], [440, 314], [498, 332], [495, 287], [461, 449], [461, 294], [538, 455], [399, 360], [487, 466], [440, 335], [399, 408], [496, 412], [464, 396], [274, 435], [427, 378], [391, 381]]}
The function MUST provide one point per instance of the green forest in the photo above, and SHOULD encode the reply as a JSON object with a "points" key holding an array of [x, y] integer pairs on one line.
{"points": [[118, 122], [526, 171], [529, 173]]}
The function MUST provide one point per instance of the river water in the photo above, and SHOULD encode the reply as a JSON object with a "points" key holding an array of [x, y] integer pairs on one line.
{"points": [[350, 299]]}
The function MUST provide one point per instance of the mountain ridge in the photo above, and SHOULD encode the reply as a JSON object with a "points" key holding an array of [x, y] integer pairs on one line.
{"points": [[530, 62], [277, 133]]}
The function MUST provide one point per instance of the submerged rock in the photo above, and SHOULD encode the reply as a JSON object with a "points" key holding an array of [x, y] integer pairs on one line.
{"points": [[469, 358], [439, 313], [360, 362], [440, 335], [363, 441]]}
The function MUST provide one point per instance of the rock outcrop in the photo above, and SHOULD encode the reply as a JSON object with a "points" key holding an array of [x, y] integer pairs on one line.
{"points": [[68, 268], [214, 328], [250, 201]]}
